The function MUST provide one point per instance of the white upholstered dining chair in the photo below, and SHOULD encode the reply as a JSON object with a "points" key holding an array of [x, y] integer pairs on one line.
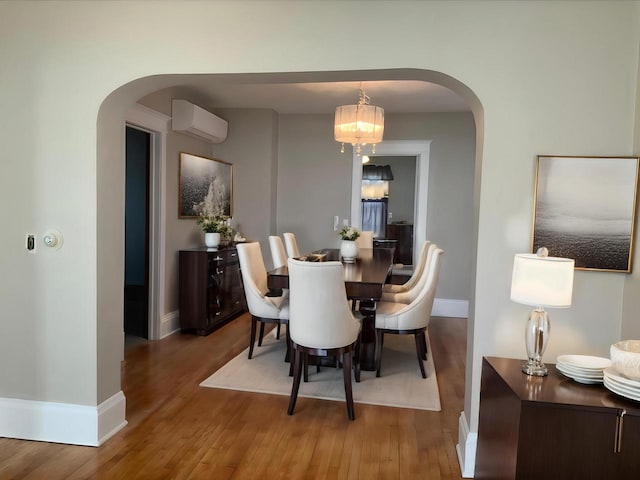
{"points": [[278, 253], [263, 309], [365, 240], [417, 273], [278, 258], [409, 319], [322, 323], [291, 245], [414, 285]]}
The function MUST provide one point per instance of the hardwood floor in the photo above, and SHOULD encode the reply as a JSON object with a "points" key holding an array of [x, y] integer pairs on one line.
{"points": [[178, 430]]}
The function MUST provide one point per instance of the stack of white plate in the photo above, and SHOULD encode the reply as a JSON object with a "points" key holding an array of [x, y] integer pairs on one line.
{"points": [[583, 368], [623, 386]]}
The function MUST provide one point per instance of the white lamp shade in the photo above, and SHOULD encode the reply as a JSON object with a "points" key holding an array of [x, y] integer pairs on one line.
{"points": [[542, 281], [359, 124]]}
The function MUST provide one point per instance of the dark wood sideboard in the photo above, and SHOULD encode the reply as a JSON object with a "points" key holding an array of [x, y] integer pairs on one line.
{"points": [[210, 288], [552, 427]]}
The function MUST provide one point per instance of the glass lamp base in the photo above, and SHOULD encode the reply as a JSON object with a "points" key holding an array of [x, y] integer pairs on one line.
{"points": [[534, 368], [536, 338]]}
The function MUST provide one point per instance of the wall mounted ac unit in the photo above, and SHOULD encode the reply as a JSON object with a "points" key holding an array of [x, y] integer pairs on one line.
{"points": [[192, 120]]}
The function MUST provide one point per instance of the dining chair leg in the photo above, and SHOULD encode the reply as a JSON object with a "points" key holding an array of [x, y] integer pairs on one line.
{"points": [[278, 332], [424, 344], [289, 355], [261, 334], [379, 345], [346, 371], [419, 353], [305, 365], [297, 371], [253, 335], [357, 360]]}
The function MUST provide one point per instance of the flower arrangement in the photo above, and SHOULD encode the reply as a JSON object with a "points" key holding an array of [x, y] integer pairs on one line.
{"points": [[216, 224], [349, 233], [212, 218]]}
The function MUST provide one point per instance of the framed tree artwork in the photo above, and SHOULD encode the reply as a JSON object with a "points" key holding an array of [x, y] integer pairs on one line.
{"points": [[205, 187], [585, 210]]}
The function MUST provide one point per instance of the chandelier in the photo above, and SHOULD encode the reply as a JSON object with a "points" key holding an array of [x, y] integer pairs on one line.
{"points": [[359, 124]]}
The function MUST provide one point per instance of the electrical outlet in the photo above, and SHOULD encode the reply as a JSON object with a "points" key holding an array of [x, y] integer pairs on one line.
{"points": [[31, 243], [345, 222]]}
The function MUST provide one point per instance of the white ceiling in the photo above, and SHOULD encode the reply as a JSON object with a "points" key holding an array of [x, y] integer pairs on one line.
{"points": [[395, 96]]}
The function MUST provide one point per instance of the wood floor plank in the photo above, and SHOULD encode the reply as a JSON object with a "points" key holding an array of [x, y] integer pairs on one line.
{"points": [[179, 430]]}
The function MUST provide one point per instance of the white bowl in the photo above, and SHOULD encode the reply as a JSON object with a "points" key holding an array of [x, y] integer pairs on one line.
{"points": [[625, 356]]}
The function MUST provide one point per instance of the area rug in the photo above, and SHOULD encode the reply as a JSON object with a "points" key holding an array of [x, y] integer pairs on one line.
{"points": [[401, 384]]}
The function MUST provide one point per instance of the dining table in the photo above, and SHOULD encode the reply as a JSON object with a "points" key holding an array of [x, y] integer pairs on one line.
{"points": [[364, 280]]}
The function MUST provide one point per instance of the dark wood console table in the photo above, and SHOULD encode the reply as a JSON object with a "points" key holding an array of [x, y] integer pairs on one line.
{"points": [[552, 427], [211, 290]]}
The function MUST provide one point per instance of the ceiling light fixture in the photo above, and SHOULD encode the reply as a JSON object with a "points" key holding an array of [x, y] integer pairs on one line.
{"points": [[359, 124], [365, 159]]}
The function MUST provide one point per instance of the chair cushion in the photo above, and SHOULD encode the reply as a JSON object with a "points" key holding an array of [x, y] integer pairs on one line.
{"points": [[391, 288], [396, 297], [281, 306], [386, 314]]}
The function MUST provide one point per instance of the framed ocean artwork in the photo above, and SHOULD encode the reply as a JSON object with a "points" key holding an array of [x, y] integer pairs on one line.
{"points": [[585, 208]]}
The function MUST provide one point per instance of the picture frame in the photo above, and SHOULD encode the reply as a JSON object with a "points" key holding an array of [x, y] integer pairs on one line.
{"points": [[205, 186], [585, 209]]}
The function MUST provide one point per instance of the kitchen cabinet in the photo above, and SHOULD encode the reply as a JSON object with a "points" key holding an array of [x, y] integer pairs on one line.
{"points": [[403, 234]]}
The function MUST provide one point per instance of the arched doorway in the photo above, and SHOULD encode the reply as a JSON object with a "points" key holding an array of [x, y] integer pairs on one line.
{"points": [[110, 144]]}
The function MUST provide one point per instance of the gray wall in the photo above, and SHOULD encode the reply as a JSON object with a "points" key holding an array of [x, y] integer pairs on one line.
{"points": [[314, 180], [451, 171]]}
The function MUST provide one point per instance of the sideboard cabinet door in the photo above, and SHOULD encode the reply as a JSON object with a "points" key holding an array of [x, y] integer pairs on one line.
{"points": [[210, 290]]}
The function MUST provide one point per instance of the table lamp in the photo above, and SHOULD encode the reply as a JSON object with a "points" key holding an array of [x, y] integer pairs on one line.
{"points": [[540, 281]]}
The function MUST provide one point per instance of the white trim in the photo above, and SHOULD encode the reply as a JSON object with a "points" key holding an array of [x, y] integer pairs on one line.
{"points": [[170, 323], [157, 124], [62, 422], [466, 448], [445, 307], [421, 150]]}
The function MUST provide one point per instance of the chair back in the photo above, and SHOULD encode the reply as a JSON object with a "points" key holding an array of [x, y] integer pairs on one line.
{"points": [[412, 293], [291, 245], [365, 240], [278, 253], [254, 279], [418, 313], [320, 314], [422, 263]]}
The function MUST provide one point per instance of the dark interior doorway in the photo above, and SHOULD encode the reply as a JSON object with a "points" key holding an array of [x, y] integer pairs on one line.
{"points": [[136, 271]]}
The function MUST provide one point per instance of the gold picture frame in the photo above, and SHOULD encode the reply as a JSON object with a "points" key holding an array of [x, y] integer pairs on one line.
{"points": [[585, 209], [204, 181]]}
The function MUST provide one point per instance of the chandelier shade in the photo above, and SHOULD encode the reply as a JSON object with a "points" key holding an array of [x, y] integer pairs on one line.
{"points": [[359, 124]]}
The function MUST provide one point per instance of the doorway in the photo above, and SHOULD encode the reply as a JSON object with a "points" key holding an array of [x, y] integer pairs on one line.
{"points": [[136, 271], [389, 200], [420, 151]]}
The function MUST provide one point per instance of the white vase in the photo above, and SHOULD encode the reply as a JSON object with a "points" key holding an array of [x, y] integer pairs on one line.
{"points": [[349, 251], [211, 240]]}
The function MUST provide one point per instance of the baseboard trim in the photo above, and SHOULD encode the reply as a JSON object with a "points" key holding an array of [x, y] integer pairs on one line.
{"points": [[169, 323], [62, 422], [444, 307], [466, 447]]}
